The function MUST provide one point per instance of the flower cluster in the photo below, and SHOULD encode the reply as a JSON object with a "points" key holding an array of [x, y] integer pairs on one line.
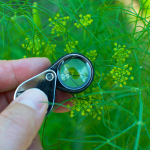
{"points": [[87, 105], [58, 24], [120, 53], [50, 49], [84, 21], [33, 45], [91, 55], [120, 75], [70, 47]]}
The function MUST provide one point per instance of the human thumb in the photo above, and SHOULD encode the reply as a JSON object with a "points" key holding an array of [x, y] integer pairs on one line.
{"points": [[22, 119]]}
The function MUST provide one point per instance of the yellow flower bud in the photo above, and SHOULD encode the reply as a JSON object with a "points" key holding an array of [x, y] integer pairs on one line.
{"points": [[88, 15], [71, 115], [50, 19], [88, 110], [99, 118], [76, 42], [128, 73], [115, 44], [124, 83], [57, 15], [80, 15], [115, 82], [82, 113]]}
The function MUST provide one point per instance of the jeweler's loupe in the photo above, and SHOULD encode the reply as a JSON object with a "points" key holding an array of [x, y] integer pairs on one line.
{"points": [[72, 73]]}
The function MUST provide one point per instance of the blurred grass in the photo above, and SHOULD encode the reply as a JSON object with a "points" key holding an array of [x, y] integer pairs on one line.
{"points": [[125, 115]]}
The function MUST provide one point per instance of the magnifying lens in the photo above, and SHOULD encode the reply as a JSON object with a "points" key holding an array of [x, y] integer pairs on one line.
{"points": [[72, 73]]}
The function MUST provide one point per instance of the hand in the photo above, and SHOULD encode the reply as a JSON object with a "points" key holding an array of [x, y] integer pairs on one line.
{"points": [[21, 119]]}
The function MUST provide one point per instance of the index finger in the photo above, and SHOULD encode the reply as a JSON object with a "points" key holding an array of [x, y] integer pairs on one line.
{"points": [[14, 72]]}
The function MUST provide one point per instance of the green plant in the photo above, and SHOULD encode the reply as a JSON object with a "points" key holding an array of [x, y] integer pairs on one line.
{"points": [[113, 113]]}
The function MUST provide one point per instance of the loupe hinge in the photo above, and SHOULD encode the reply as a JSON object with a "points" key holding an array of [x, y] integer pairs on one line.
{"points": [[49, 76]]}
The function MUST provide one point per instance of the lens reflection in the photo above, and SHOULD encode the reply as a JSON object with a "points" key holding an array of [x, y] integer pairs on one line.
{"points": [[74, 73]]}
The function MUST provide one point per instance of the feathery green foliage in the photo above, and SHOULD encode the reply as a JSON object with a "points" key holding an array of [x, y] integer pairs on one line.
{"points": [[113, 113]]}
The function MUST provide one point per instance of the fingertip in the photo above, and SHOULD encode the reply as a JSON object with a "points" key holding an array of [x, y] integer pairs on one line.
{"points": [[42, 62], [45, 60], [33, 98]]}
